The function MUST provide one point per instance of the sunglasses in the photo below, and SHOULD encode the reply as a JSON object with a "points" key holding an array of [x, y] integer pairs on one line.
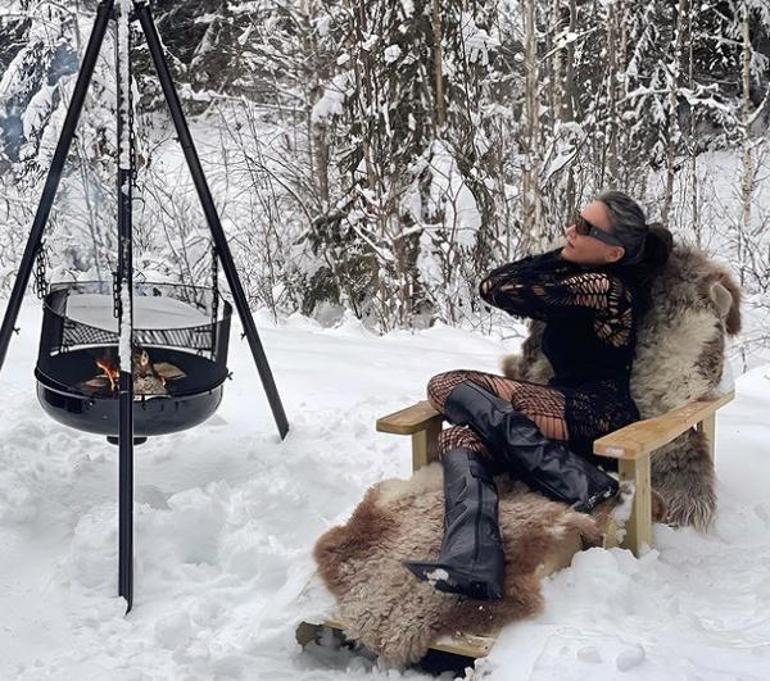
{"points": [[585, 228]]}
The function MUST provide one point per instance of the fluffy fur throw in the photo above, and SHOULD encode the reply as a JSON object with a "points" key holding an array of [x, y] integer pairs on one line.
{"points": [[395, 615], [680, 357]]}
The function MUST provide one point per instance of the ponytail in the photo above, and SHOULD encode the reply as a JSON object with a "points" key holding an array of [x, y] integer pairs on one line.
{"points": [[658, 245], [647, 246]]}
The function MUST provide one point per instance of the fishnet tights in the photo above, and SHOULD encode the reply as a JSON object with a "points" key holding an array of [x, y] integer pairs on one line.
{"points": [[544, 405], [462, 436]]}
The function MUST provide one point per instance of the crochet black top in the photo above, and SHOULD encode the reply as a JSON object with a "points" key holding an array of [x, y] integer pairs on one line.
{"points": [[589, 338]]}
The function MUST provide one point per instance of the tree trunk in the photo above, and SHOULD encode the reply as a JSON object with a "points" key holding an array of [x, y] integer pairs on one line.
{"points": [[438, 66], [695, 186], [568, 112], [747, 178], [532, 215], [673, 102], [318, 147], [612, 99]]}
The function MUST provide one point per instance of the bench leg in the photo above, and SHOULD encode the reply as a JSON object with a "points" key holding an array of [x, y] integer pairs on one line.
{"points": [[424, 444], [639, 527], [708, 427]]}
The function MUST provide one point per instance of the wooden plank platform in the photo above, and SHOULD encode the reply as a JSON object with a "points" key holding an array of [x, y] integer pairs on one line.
{"points": [[465, 644]]}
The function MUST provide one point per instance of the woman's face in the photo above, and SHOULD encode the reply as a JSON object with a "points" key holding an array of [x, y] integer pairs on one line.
{"points": [[585, 249]]}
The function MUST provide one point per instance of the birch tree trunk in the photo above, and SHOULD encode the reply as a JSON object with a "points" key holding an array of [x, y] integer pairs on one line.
{"points": [[556, 61], [673, 101], [317, 133], [438, 66], [568, 100], [532, 206], [695, 185], [747, 177], [630, 168], [610, 156]]}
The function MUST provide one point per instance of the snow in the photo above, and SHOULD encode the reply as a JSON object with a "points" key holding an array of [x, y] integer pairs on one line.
{"points": [[226, 517], [38, 109], [449, 191], [333, 100], [392, 53], [126, 325], [476, 40]]}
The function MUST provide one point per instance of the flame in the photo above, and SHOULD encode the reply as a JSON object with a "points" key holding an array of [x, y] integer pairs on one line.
{"points": [[110, 371]]}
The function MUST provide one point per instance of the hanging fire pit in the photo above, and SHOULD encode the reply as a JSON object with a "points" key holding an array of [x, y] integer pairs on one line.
{"points": [[180, 357]]}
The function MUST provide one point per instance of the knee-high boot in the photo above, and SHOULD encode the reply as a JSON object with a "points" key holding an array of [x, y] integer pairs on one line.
{"points": [[547, 465], [471, 561]]}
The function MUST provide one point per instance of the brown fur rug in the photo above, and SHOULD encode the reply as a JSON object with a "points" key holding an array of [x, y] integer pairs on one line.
{"points": [[394, 614]]}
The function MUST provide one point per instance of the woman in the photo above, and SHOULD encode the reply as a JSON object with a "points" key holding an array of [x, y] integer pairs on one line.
{"points": [[591, 293]]}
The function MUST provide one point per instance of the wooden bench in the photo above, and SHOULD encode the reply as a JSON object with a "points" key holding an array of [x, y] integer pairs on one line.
{"points": [[632, 446]]}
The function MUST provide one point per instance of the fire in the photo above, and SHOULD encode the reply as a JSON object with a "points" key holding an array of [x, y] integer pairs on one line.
{"points": [[110, 372], [150, 378]]}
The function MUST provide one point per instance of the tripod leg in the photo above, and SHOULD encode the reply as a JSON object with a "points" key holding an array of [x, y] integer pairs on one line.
{"points": [[103, 13], [212, 217], [125, 282]]}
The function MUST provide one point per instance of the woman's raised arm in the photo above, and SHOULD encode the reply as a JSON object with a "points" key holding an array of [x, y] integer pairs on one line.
{"points": [[546, 287]]}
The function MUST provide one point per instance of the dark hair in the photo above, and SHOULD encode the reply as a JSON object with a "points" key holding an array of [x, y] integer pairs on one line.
{"points": [[647, 246]]}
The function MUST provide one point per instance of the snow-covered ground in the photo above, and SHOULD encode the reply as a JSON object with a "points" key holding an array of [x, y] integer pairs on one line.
{"points": [[227, 515]]}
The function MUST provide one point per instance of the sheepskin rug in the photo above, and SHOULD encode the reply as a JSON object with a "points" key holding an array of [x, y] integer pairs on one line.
{"points": [[395, 615]]}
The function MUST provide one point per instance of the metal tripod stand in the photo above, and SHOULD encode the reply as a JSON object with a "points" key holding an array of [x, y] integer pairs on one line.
{"points": [[106, 11]]}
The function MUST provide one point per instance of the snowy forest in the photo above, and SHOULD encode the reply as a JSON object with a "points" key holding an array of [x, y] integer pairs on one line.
{"points": [[376, 157], [371, 161]]}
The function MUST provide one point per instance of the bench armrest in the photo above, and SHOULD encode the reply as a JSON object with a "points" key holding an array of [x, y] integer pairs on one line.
{"points": [[643, 437], [410, 420]]}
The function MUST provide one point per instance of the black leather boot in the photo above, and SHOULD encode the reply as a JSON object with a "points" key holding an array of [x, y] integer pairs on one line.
{"points": [[471, 562], [548, 466]]}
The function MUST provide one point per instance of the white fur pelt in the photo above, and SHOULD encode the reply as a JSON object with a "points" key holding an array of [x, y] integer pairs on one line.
{"points": [[679, 357]]}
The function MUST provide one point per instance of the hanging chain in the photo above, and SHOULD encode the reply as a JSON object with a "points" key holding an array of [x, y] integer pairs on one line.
{"points": [[117, 308], [41, 284], [214, 284], [117, 305], [131, 131]]}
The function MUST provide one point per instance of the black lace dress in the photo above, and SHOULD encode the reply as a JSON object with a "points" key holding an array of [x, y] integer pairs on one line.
{"points": [[589, 338]]}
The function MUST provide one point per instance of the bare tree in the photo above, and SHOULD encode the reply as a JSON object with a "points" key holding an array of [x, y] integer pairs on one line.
{"points": [[531, 198]]}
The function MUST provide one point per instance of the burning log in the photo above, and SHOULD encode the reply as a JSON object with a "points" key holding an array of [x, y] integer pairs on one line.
{"points": [[149, 379]]}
